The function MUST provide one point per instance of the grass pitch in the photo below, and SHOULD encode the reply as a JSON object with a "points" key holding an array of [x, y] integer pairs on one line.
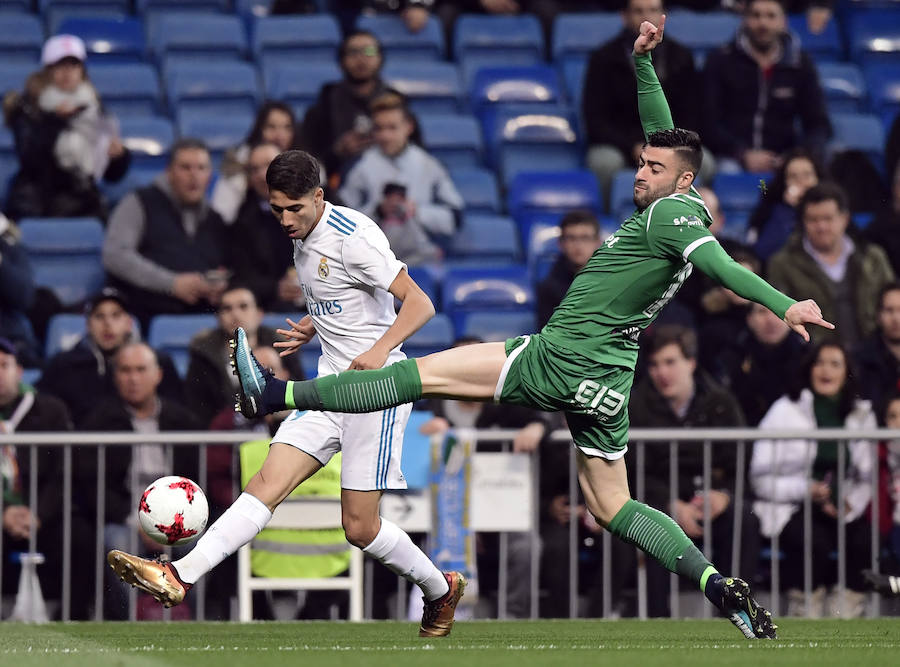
{"points": [[519, 643]]}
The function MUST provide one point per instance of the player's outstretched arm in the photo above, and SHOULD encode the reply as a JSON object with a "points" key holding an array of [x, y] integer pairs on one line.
{"points": [[715, 262], [652, 105]]}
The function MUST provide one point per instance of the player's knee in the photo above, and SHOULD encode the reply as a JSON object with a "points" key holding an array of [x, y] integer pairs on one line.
{"points": [[359, 530]]}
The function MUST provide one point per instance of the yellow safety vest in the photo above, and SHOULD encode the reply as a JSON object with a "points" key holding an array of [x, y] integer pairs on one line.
{"points": [[297, 553]]}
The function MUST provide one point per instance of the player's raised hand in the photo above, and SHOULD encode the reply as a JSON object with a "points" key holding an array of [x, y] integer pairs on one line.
{"points": [[649, 36], [299, 334], [802, 313]]}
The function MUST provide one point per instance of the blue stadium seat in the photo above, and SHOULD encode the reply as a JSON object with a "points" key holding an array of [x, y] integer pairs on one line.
{"points": [[128, 89], [487, 237], [478, 188], [298, 83], [138, 176], [860, 131], [72, 282], [495, 289], [252, 9], [576, 35], [470, 65], [427, 279], [621, 194], [63, 333], [9, 166], [56, 15], [300, 39], [198, 36], [739, 191], [883, 81], [543, 242], [436, 334], [823, 47], [431, 87], [702, 32], [843, 85], [573, 72], [454, 139], [515, 85], [172, 333], [220, 88], [554, 191], [521, 157], [108, 39], [7, 142], [497, 327], [530, 219], [874, 36], [61, 238], [13, 75], [219, 131], [123, 6], [21, 37], [149, 139], [475, 34], [399, 42], [145, 6], [17, 5]]}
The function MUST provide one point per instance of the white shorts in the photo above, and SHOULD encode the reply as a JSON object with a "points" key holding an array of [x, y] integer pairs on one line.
{"points": [[372, 444]]}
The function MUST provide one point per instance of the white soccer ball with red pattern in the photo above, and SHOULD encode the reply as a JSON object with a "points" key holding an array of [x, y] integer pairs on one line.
{"points": [[173, 510]]}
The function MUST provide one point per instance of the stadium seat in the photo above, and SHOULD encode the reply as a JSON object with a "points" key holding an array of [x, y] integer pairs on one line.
{"points": [[454, 139], [825, 46], [554, 191], [61, 237], [63, 333], [576, 35], [252, 9], [13, 75], [486, 237], [874, 36], [739, 191], [108, 39], [9, 166], [197, 36], [702, 32], [21, 37], [426, 277], [220, 132], [883, 81], [220, 88], [7, 142], [128, 89], [543, 241], [515, 85], [56, 15], [528, 220], [431, 87], [860, 131], [435, 335], [299, 39], [478, 188], [478, 35], [298, 83], [497, 327], [621, 194], [149, 138], [573, 72], [468, 289], [145, 6], [17, 5], [470, 65], [173, 333], [843, 85], [72, 281], [399, 42], [138, 176]]}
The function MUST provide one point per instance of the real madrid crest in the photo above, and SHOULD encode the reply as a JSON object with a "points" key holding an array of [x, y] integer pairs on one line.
{"points": [[323, 268]]}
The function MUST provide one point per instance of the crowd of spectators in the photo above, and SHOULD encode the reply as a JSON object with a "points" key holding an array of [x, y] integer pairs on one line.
{"points": [[201, 238]]}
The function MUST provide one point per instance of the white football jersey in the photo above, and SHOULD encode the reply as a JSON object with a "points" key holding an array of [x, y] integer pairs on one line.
{"points": [[345, 267]]}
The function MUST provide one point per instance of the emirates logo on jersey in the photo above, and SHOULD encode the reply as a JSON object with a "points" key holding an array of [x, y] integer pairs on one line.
{"points": [[323, 268]]}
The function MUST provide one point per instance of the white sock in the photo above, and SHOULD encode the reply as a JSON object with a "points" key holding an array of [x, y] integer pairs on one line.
{"points": [[396, 550], [238, 525]]}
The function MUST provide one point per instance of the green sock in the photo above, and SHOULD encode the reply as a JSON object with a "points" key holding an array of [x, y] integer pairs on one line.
{"points": [[659, 536], [358, 391]]}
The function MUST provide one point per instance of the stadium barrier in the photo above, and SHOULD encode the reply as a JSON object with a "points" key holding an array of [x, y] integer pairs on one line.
{"points": [[739, 438]]}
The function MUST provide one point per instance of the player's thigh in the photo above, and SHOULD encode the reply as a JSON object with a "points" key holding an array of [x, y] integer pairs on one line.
{"points": [[470, 371], [285, 467], [604, 483]]}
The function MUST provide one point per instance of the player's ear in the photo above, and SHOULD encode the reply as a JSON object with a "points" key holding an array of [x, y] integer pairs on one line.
{"points": [[685, 180]]}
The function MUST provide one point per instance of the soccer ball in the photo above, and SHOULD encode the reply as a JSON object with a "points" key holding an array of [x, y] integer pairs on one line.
{"points": [[173, 510]]}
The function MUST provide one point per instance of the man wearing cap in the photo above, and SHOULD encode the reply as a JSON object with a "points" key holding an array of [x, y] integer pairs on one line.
{"points": [[82, 376], [23, 410], [64, 141]]}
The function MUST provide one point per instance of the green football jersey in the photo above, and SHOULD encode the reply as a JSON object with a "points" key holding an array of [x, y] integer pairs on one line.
{"points": [[628, 280]]}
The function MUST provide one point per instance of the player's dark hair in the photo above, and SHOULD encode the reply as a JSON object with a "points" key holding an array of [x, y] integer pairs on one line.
{"points": [[824, 191], [345, 44], [685, 142], [185, 144], [803, 379], [674, 334], [579, 217], [262, 116], [295, 173], [887, 289]]}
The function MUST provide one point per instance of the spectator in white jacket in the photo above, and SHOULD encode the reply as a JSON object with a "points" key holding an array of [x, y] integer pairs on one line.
{"points": [[403, 188], [784, 472]]}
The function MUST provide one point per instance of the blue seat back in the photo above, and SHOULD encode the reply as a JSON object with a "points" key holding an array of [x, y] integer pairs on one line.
{"points": [[454, 139], [62, 238], [21, 37], [825, 46], [478, 188], [739, 191], [298, 83], [291, 38], [874, 36], [883, 81], [400, 42], [429, 86], [435, 335], [497, 327], [702, 32], [860, 131], [173, 333], [63, 333], [108, 39], [467, 289], [149, 139], [219, 132], [554, 191], [217, 87], [475, 34], [543, 241], [491, 238], [515, 85], [13, 74], [576, 35], [200, 36], [71, 281], [843, 85], [128, 89], [621, 193]]}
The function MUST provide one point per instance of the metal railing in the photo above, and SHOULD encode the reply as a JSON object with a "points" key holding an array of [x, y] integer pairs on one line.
{"points": [[708, 438]]}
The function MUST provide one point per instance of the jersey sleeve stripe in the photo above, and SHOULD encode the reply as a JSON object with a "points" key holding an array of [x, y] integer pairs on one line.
{"points": [[342, 224], [696, 244], [340, 229], [343, 218]]}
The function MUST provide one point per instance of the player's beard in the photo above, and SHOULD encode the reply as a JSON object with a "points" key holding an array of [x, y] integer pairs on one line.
{"points": [[644, 198]]}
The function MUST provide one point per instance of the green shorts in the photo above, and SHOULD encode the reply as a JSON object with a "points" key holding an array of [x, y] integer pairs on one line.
{"points": [[593, 397]]}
